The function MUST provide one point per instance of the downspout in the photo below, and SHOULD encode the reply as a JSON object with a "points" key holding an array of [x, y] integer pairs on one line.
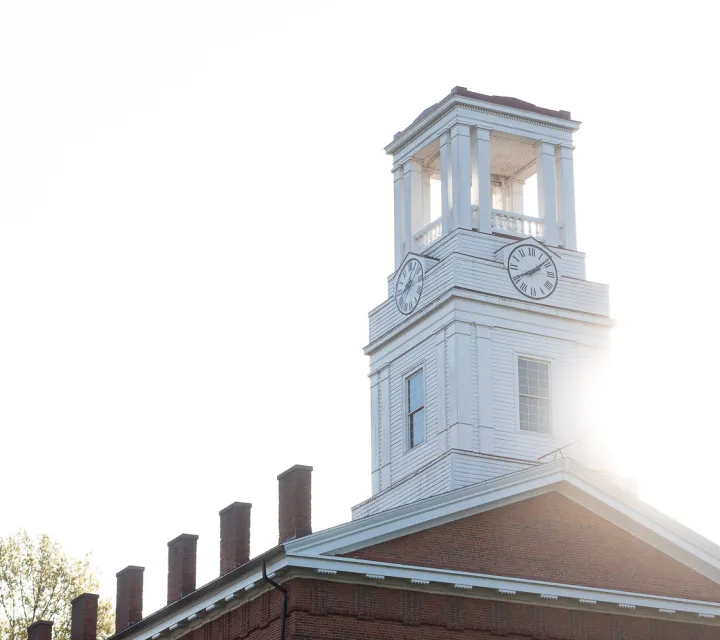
{"points": [[284, 606]]}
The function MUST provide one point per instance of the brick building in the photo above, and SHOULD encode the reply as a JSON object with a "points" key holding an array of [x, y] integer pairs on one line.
{"points": [[489, 516]]}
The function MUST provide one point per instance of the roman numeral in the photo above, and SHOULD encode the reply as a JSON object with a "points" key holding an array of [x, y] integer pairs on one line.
{"points": [[513, 267], [531, 251], [521, 252], [551, 274], [548, 284], [547, 263], [516, 278], [532, 292], [523, 287]]}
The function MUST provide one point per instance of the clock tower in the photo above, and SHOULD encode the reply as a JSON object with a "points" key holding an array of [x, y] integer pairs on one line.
{"points": [[482, 352]]}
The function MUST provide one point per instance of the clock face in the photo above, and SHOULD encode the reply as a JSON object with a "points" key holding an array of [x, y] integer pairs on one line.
{"points": [[409, 286], [532, 271]]}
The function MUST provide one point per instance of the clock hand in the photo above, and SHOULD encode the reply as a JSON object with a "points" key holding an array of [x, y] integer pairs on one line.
{"points": [[530, 272]]}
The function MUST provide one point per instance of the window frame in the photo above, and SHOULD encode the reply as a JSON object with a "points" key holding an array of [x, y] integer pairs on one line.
{"points": [[406, 407], [551, 397]]}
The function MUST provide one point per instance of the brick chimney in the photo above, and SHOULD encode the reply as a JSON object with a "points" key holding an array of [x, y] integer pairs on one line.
{"points": [[128, 609], [83, 624], [234, 536], [182, 558], [295, 489], [40, 630]]}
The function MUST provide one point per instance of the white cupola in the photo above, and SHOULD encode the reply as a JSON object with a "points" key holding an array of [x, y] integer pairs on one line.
{"points": [[489, 163]]}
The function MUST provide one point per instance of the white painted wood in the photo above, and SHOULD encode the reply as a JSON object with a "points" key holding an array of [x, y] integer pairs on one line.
{"points": [[472, 322], [486, 432], [413, 200], [399, 194], [375, 432], [460, 191], [460, 409], [490, 277], [384, 407], [565, 178], [547, 204], [496, 118], [445, 183], [440, 347], [482, 190], [427, 199], [463, 580]]}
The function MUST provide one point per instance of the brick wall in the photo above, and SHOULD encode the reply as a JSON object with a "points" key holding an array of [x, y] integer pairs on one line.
{"points": [[551, 538], [321, 610]]}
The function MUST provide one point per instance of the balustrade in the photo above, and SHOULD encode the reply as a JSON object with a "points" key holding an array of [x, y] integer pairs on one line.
{"points": [[506, 222], [517, 224], [429, 234]]}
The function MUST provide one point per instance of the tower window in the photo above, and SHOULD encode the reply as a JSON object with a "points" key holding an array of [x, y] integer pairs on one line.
{"points": [[416, 408], [534, 392]]}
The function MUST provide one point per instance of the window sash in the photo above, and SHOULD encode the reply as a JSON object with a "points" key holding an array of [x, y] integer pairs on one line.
{"points": [[417, 427], [534, 387], [415, 389]]}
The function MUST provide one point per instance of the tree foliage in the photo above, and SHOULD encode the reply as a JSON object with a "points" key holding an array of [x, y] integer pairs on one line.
{"points": [[38, 582]]}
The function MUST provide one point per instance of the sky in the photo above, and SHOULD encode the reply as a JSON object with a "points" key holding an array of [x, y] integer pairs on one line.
{"points": [[196, 218]]}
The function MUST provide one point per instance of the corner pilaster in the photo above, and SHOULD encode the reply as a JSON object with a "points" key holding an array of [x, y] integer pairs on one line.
{"points": [[483, 353], [384, 424], [460, 337]]}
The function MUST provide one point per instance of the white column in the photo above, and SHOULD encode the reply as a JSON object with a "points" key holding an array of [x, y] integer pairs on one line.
{"points": [[445, 183], [413, 201], [427, 198], [545, 165], [483, 352], [460, 150], [399, 191], [482, 190], [565, 178]]}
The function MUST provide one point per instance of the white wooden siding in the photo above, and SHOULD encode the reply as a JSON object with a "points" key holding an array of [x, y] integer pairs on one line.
{"points": [[465, 442], [428, 481], [490, 277], [469, 469], [406, 460]]}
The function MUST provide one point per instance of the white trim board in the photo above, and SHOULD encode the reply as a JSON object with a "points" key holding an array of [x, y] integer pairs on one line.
{"points": [[462, 583]]}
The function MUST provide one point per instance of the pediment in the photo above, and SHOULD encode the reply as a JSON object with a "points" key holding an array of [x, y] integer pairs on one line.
{"points": [[646, 533], [550, 538], [426, 262]]}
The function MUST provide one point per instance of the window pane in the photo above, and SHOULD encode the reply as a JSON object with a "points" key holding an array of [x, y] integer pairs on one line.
{"points": [[416, 392], [534, 378], [417, 427], [534, 414]]}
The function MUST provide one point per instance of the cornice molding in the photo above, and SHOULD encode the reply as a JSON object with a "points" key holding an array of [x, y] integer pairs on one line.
{"points": [[453, 101]]}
